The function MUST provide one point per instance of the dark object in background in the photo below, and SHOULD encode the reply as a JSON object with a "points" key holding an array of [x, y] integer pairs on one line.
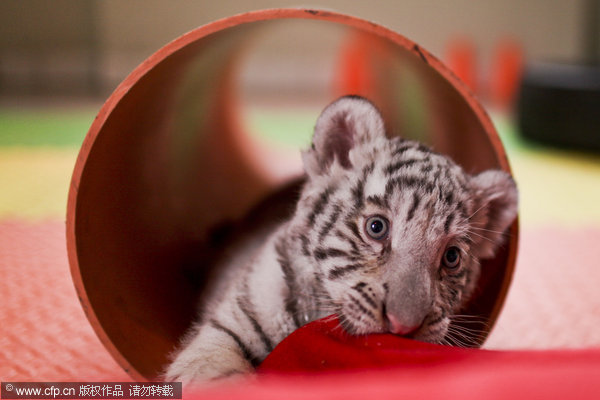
{"points": [[559, 105]]}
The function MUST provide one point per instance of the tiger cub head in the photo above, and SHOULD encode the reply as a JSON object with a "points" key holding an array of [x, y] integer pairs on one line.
{"points": [[394, 230]]}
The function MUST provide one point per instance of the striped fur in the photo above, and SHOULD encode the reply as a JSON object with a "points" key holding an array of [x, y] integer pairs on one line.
{"points": [[322, 261]]}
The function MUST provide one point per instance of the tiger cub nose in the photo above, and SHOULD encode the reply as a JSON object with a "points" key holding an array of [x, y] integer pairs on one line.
{"points": [[396, 327]]}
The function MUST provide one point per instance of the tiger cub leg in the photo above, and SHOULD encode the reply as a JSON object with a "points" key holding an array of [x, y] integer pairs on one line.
{"points": [[215, 352]]}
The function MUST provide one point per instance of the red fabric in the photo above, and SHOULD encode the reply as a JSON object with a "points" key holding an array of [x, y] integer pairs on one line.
{"points": [[324, 346], [385, 366]]}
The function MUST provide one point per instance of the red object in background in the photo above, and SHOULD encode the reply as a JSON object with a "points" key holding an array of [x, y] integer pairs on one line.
{"points": [[461, 59], [355, 74], [308, 364], [505, 73], [501, 84]]}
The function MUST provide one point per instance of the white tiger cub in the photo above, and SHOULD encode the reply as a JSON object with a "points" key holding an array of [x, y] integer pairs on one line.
{"points": [[387, 235]]}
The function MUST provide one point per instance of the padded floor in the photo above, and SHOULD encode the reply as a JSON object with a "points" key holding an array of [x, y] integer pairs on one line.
{"points": [[554, 302], [44, 334]]}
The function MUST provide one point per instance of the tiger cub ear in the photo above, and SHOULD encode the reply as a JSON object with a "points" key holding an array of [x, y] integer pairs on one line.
{"points": [[344, 124], [496, 204]]}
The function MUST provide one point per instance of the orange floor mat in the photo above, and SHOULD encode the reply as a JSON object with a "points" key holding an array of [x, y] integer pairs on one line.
{"points": [[44, 335]]}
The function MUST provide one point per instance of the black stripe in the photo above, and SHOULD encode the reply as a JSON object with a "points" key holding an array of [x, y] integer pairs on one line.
{"points": [[319, 292], [289, 276], [358, 192], [447, 175], [391, 168], [305, 245], [425, 149], [348, 240], [319, 205], [378, 201], [337, 210], [338, 272], [245, 350], [354, 229], [322, 254], [402, 182], [413, 207], [436, 175], [459, 274], [457, 181], [365, 296], [389, 188], [403, 147], [428, 186], [449, 220], [427, 168], [385, 252], [362, 308], [453, 294], [449, 198], [246, 306]]}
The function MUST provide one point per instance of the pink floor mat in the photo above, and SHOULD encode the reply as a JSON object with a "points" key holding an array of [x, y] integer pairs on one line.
{"points": [[554, 302]]}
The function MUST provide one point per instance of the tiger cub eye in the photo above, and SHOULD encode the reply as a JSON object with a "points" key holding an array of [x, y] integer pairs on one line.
{"points": [[377, 227], [451, 258]]}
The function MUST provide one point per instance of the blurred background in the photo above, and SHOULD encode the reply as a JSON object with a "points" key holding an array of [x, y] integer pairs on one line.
{"points": [[61, 59], [67, 47]]}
